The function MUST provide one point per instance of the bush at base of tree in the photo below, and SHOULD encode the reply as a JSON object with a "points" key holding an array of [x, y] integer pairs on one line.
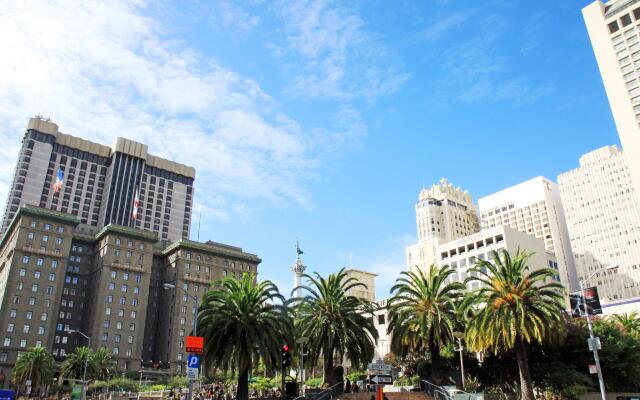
{"points": [[314, 383]]}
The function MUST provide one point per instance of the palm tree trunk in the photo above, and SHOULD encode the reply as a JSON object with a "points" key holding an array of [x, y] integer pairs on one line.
{"points": [[526, 385], [435, 362], [328, 368], [243, 384]]}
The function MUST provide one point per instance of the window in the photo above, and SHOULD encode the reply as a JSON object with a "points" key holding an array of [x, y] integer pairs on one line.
{"points": [[41, 330], [7, 342], [107, 311], [109, 299], [52, 277], [45, 238], [23, 272], [25, 259], [65, 339], [43, 316], [32, 301], [38, 343], [181, 332], [182, 321], [13, 313], [134, 302], [125, 276], [115, 351], [114, 274], [111, 286], [29, 315], [58, 241], [132, 326], [47, 227], [123, 300], [133, 314], [54, 264], [104, 336], [613, 27], [124, 288], [23, 343], [118, 242], [19, 286], [121, 313], [49, 289], [626, 20], [34, 223], [40, 262], [136, 290], [117, 338], [130, 339], [34, 287], [105, 323], [26, 328], [3, 357], [61, 229], [10, 327], [37, 274], [119, 325]]}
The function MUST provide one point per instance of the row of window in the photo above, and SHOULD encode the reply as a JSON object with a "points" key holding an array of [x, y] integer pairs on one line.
{"points": [[107, 311], [39, 261], [23, 343], [46, 226], [123, 288], [123, 300], [13, 313], [118, 325]]}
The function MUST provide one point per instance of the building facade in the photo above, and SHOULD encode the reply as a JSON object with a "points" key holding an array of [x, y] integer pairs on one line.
{"points": [[443, 213], [462, 254], [603, 219], [57, 274], [100, 182], [535, 208], [614, 31], [368, 279]]}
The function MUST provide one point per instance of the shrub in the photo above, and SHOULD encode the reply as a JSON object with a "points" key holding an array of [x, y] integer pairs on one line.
{"points": [[314, 383]]}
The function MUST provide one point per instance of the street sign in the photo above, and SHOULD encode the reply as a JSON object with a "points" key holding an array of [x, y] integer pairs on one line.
{"points": [[195, 344], [591, 299], [192, 374], [381, 379], [379, 368], [597, 342], [593, 369], [193, 361]]}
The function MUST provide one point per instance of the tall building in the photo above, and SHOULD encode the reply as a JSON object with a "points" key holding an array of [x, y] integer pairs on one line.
{"points": [[443, 213], [535, 208], [57, 274], [100, 182], [603, 219], [368, 279], [614, 29]]}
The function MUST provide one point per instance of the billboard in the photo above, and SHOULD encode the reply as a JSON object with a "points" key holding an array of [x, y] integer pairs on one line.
{"points": [[592, 301]]}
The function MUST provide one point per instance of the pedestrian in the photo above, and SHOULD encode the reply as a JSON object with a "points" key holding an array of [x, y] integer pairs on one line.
{"points": [[347, 386]]}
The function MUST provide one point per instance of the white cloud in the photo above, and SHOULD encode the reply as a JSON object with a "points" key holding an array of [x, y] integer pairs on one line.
{"points": [[339, 58], [102, 70]]}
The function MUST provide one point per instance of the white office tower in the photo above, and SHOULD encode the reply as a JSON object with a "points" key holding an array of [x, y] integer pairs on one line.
{"points": [[603, 219], [615, 36], [535, 208], [443, 213]]}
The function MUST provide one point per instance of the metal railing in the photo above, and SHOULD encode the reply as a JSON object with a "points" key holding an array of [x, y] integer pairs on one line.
{"points": [[331, 392], [435, 391]]}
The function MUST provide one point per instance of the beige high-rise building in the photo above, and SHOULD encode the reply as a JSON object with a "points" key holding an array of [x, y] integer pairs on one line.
{"points": [[614, 30], [535, 208], [603, 219], [443, 213]]}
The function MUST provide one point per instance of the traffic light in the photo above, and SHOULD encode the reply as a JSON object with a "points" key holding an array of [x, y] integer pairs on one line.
{"points": [[286, 357]]}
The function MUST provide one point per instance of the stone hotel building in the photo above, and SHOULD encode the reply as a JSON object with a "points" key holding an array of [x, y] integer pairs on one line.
{"points": [[61, 270]]}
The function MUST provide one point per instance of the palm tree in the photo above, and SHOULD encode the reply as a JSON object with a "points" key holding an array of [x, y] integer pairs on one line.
{"points": [[422, 312], [515, 307], [73, 365], [102, 365], [36, 363], [335, 322], [629, 322], [243, 321]]}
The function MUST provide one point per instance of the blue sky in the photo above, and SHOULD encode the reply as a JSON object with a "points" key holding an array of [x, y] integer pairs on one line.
{"points": [[318, 121]]}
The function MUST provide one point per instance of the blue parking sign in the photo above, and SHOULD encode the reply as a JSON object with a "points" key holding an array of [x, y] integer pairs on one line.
{"points": [[193, 361]]}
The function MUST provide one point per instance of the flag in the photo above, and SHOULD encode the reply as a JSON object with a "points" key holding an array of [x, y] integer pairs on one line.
{"points": [[136, 205], [57, 185]]}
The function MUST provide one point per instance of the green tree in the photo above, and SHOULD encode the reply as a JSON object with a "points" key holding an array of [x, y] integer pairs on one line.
{"points": [[102, 365], [629, 322], [422, 313], [516, 307], [243, 321], [336, 323], [73, 365], [38, 363]]}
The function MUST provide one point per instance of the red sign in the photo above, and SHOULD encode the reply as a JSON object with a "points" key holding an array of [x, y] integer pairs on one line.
{"points": [[195, 344]]}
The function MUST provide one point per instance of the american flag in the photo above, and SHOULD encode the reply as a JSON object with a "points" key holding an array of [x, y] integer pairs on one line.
{"points": [[136, 205], [57, 185]]}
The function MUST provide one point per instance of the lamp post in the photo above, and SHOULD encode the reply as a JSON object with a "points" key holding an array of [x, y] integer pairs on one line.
{"points": [[169, 286], [86, 359], [459, 336], [302, 341], [593, 340]]}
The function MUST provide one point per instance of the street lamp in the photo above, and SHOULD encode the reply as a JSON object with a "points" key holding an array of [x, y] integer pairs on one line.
{"points": [[459, 336], [86, 359], [593, 339], [302, 341], [169, 286]]}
